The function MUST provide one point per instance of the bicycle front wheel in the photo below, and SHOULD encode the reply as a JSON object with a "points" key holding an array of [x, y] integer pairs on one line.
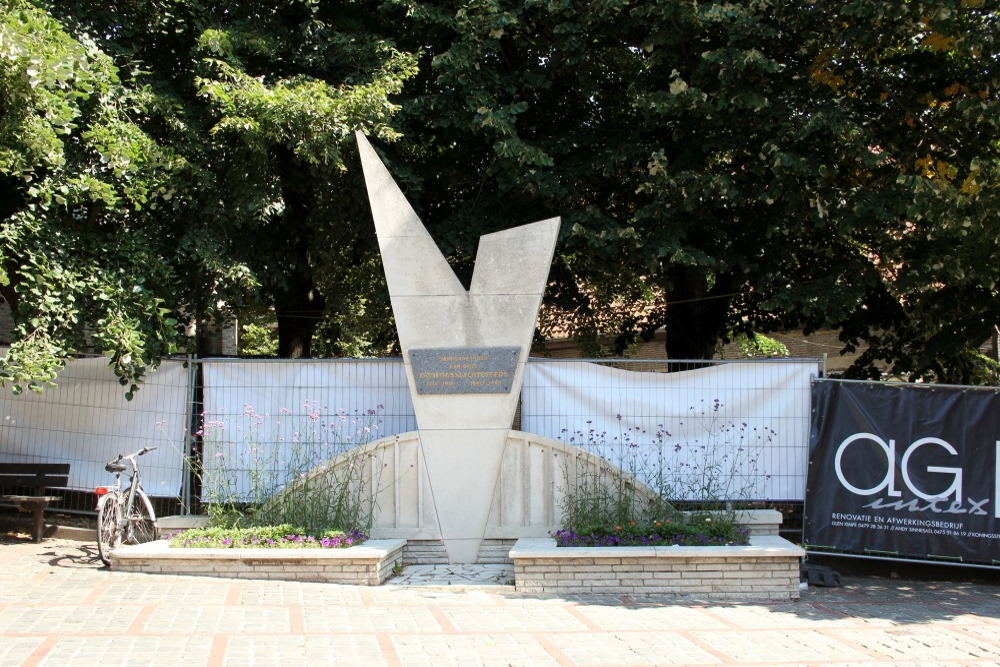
{"points": [[109, 529], [141, 525]]}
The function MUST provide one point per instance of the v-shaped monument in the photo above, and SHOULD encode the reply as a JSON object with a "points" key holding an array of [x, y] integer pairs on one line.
{"points": [[464, 350]]}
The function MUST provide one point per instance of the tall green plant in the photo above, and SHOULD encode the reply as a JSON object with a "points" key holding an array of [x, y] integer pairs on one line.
{"points": [[610, 487], [635, 478], [310, 470]]}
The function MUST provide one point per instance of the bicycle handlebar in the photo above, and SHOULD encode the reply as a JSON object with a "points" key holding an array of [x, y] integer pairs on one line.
{"points": [[132, 456]]}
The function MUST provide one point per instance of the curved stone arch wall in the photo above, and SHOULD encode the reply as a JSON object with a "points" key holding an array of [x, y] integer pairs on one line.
{"points": [[534, 475]]}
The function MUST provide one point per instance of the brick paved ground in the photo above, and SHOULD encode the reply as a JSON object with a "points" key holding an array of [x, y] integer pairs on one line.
{"points": [[58, 606]]}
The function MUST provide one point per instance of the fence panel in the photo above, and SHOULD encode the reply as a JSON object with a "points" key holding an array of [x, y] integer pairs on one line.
{"points": [[284, 416], [740, 427], [86, 421]]}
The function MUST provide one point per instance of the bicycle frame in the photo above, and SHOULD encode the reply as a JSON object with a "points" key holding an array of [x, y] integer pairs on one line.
{"points": [[134, 479]]}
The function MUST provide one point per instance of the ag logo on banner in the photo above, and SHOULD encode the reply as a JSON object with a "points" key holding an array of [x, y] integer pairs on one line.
{"points": [[904, 470]]}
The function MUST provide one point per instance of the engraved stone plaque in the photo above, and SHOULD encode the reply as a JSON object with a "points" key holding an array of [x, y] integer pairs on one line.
{"points": [[464, 370]]}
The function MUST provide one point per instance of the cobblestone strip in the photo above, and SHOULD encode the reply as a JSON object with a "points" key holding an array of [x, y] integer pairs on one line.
{"points": [[138, 625], [388, 649], [553, 650], [234, 595], [36, 656], [442, 619], [707, 647], [846, 639], [217, 654], [575, 613]]}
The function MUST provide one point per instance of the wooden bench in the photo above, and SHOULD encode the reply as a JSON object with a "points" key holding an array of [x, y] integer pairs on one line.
{"points": [[32, 478]]}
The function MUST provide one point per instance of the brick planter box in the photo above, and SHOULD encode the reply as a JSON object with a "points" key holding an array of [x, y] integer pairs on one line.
{"points": [[767, 569], [368, 564]]}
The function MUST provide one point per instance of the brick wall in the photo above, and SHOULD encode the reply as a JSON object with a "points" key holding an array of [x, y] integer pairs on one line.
{"points": [[371, 564], [813, 346], [768, 570], [714, 578]]}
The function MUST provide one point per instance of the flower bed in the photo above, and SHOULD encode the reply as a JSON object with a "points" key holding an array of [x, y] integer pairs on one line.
{"points": [[366, 565], [660, 534], [766, 569], [264, 537]]}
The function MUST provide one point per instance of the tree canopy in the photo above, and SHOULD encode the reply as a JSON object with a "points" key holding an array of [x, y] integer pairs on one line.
{"points": [[727, 167], [721, 168], [165, 160], [84, 191]]}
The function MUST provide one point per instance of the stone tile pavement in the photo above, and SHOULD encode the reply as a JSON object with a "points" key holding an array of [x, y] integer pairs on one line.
{"points": [[58, 606]]}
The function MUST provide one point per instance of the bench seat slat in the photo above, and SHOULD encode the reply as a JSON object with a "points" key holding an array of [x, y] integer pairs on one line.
{"points": [[9, 498], [34, 468], [33, 481]]}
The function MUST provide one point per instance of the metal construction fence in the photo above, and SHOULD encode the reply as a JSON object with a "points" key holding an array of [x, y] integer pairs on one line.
{"points": [[86, 421], [728, 430], [749, 417]]}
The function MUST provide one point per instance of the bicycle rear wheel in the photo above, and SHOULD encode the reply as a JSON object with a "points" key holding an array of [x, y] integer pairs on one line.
{"points": [[141, 525], [109, 530]]}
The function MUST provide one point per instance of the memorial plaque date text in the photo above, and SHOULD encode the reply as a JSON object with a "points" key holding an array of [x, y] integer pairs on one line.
{"points": [[464, 370]]}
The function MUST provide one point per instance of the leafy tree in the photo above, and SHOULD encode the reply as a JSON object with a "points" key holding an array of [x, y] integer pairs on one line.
{"points": [[521, 111], [164, 161], [919, 81], [86, 259], [724, 168], [285, 90], [271, 93]]}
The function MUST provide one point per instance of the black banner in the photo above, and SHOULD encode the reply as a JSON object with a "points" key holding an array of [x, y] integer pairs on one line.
{"points": [[904, 470]]}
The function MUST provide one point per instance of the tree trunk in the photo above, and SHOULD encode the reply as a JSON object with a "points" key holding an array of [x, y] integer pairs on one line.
{"points": [[696, 315], [295, 332], [301, 307], [9, 294], [298, 304]]}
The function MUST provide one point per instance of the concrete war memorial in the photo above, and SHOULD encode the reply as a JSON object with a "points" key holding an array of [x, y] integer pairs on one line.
{"points": [[464, 487], [481, 491]]}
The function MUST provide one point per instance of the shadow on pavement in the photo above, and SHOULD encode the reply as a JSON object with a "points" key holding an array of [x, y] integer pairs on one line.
{"points": [[75, 554]]}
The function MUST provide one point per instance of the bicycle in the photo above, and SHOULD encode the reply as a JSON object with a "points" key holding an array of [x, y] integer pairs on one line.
{"points": [[123, 515]]}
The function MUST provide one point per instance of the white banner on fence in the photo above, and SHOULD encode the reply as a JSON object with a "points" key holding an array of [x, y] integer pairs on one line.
{"points": [[85, 421], [265, 421], [742, 427]]}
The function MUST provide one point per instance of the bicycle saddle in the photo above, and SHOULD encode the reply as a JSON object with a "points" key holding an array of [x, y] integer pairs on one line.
{"points": [[114, 466]]}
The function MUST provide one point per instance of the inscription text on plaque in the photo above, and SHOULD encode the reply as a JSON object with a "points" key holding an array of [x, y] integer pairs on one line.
{"points": [[464, 370]]}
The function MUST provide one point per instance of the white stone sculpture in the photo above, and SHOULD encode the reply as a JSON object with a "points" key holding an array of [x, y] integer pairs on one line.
{"points": [[469, 348]]}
